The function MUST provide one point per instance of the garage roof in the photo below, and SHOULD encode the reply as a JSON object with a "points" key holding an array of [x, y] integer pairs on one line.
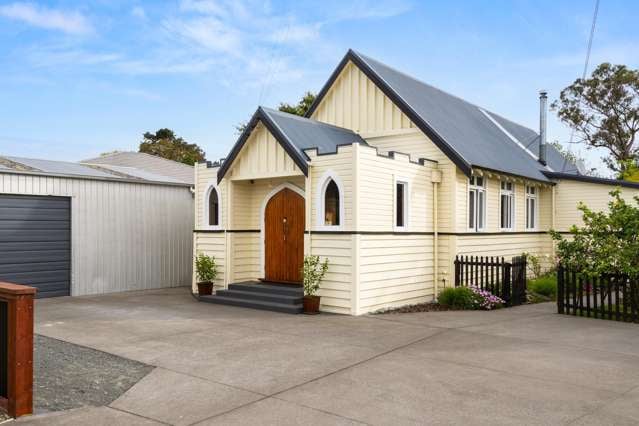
{"points": [[11, 164], [151, 163]]}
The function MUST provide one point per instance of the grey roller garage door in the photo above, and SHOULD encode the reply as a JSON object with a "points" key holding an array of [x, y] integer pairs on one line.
{"points": [[35, 243]]}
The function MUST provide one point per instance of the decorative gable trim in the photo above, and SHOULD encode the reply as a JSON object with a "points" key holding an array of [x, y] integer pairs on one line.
{"points": [[439, 141], [261, 116]]}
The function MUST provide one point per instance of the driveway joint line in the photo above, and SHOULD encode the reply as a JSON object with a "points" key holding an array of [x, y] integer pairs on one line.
{"points": [[602, 405], [137, 415], [339, 370]]}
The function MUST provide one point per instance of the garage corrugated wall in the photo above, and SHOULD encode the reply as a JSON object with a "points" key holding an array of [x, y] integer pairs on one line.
{"points": [[124, 235], [35, 243]]}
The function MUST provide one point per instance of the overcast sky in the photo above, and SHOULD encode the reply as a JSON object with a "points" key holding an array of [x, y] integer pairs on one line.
{"points": [[81, 78]]}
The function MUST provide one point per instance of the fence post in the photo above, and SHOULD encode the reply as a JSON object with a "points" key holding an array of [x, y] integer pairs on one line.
{"points": [[507, 284], [16, 344], [560, 289]]}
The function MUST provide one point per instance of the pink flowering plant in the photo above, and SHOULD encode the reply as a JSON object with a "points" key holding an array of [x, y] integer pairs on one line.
{"points": [[486, 300], [471, 297]]}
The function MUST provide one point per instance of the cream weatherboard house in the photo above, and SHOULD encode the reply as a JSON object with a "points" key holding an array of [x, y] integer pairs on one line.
{"points": [[388, 178]]}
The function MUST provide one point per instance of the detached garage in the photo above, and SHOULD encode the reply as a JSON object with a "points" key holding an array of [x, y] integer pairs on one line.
{"points": [[79, 229]]}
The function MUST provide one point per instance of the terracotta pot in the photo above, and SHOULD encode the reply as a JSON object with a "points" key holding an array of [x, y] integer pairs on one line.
{"points": [[311, 304], [205, 288]]}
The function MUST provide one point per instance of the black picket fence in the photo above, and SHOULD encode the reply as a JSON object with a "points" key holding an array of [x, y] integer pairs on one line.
{"points": [[612, 297], [506, 280]]}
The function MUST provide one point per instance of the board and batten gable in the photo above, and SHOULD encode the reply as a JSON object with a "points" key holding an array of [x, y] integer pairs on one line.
{"points": [[261, 157], [124, 235]]}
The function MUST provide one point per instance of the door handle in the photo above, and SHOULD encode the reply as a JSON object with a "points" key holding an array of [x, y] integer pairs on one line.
{"points": [[285, 221]]}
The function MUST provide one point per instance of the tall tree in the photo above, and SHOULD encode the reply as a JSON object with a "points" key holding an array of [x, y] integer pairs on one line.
{"points": [[301, 108], [164, 143], [603, 110]]}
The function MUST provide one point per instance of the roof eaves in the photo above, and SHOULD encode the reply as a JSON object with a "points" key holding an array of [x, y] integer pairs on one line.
{"points": [[592, 179], [421, 123]]}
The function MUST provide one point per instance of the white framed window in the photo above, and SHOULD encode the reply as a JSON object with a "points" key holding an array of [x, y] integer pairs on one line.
{"points": [[330, 202], [477, 204], [507, 206], [401, 208], [212, 214], [532, 206]]}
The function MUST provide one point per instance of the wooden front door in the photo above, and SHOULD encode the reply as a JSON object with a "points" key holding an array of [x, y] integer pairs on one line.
{"points": [[284, 220]]}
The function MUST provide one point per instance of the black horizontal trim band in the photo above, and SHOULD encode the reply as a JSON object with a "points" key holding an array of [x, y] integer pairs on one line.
{"points": [[473, 234], [368, 233], [504, 233], [230, 231]]}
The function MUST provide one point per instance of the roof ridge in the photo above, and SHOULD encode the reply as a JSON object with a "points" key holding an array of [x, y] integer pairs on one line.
{"points": [[111, 154]]}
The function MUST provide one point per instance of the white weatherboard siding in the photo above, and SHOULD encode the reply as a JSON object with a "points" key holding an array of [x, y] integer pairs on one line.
{"points": [[212, 244], [124, 236], [395, 270], [570, 193], [355, 102], [336, 286]]}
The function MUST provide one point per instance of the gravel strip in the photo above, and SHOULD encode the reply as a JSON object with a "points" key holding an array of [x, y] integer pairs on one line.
{"points": [[69, 376]]}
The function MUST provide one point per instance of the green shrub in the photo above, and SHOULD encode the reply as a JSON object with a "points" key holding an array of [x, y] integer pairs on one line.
{"points": [[206, 268], [458, 298], [545, 286], [313, 272]]}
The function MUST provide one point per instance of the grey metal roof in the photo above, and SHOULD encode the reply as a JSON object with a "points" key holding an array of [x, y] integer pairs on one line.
{"points": [[60, 167], [140, 174], [530, 139], [304, 133], [150, 163], [11, 164], [295, 134], [465, 132]]}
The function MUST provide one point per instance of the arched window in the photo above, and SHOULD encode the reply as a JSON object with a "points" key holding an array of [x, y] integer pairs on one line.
{"points": [[214, 208], [329, 200], [331, 204]]}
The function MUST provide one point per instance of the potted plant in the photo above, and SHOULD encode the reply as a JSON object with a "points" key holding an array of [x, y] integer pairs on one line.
{"points": [[312, 272], [206, 270]]}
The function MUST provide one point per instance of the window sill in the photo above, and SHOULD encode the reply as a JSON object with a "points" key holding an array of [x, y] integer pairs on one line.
{"points": [[212, 228], [329, 228]]}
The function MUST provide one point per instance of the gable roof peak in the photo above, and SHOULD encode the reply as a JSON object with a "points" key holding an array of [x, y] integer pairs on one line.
{"points": [[466, 133]]}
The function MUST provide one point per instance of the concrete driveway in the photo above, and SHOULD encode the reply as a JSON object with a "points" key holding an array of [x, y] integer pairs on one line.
{"points": [[224, 365]]}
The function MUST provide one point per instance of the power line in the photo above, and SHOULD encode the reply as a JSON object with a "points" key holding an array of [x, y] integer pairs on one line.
{"points": [[584, 73], [275, 55]]}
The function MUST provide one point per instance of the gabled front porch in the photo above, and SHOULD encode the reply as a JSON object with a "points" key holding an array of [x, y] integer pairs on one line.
{"points": [[260, 234]]}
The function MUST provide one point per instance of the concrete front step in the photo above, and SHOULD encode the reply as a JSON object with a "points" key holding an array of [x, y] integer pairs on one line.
{"points": [[260, 295], [254, 304], [269, 287]]}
